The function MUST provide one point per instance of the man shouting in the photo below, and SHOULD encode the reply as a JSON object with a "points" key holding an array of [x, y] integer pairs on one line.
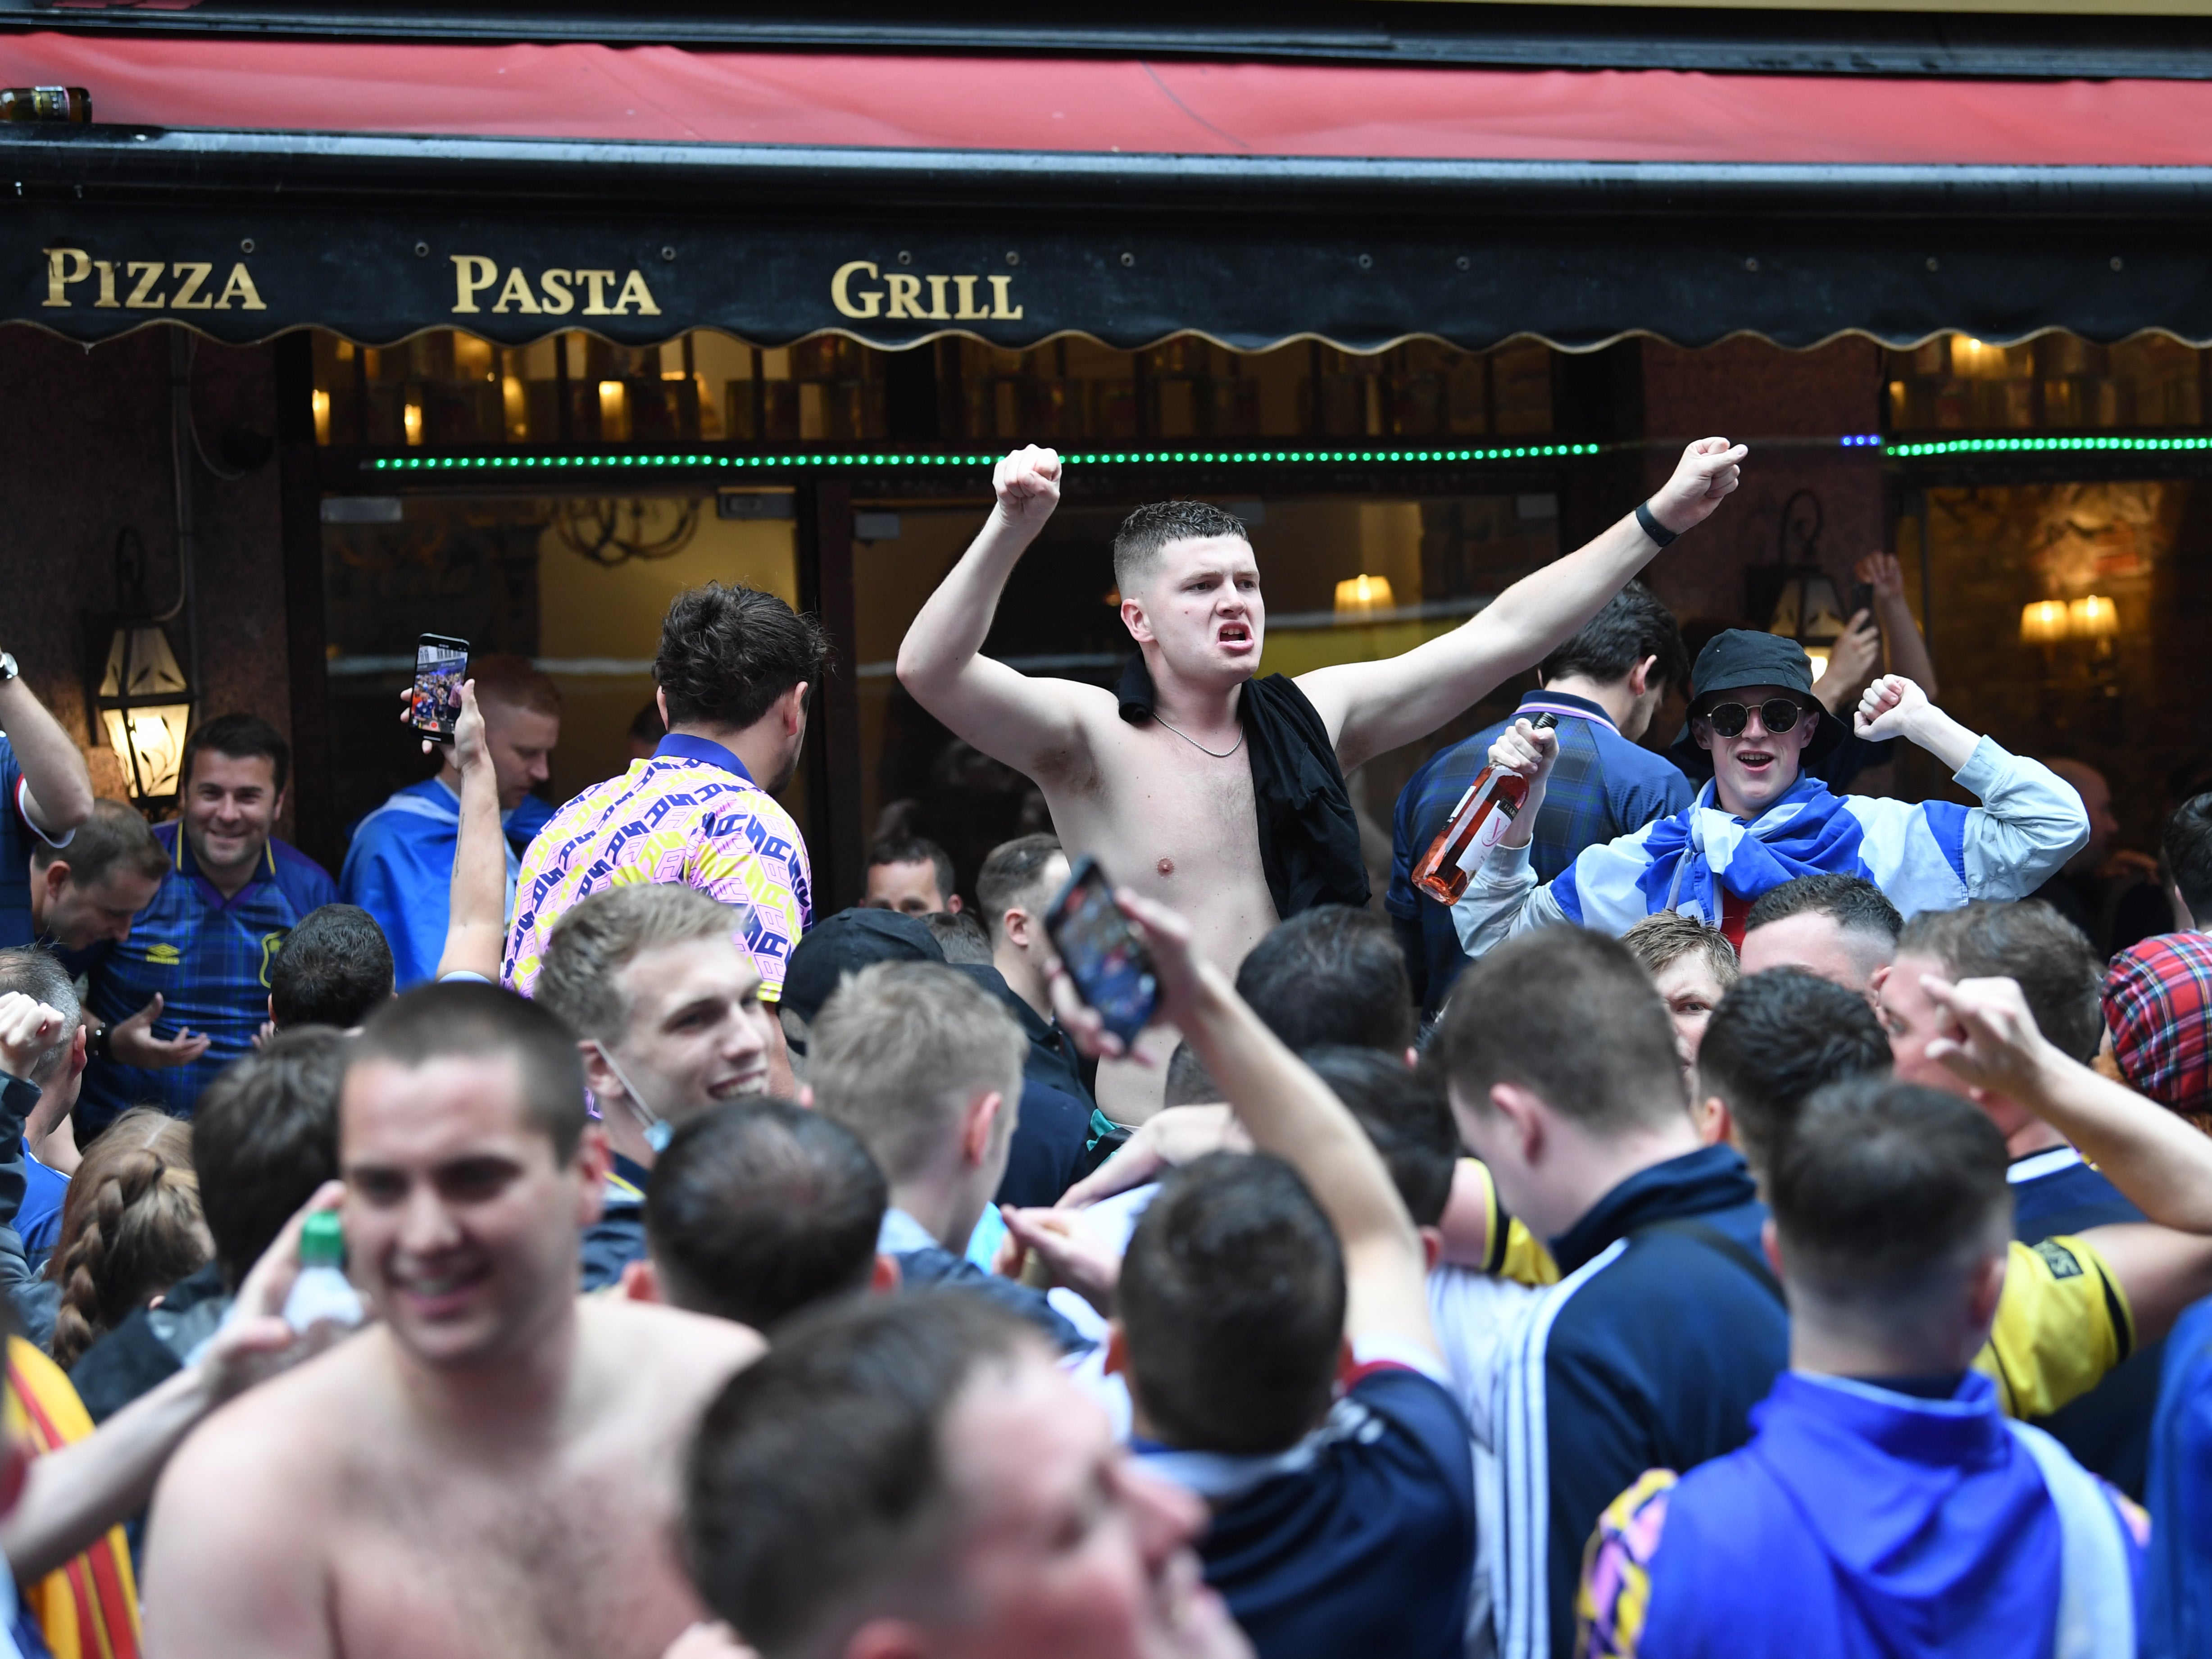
{"points": [[1201, 787]]}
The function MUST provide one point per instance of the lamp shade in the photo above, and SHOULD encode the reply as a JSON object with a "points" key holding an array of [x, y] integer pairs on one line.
{"points": [[2043, 622], [146, 708], [1362, 596], [2094, 617]]}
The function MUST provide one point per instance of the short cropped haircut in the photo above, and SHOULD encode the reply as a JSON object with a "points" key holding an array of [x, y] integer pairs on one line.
{"points": [[1570, 1016], [960, 936], [1188, 1082], [334, 969], [1147, 532], [32, 969], [757, 1208], [816, 1494], [464, 1020], [2060, 973], [728, 653], [1232, 1297], [603, 934], [239, 737], [916, 849], [1882, 1186], [2188, 847], [265, 1137], [1405, 1115], [899, 1048], [1853, 902], [1632, 626], [514, 683], [1657, 942], [1775, 1039], [115, 837], [1013, 876], [1332, 976]]}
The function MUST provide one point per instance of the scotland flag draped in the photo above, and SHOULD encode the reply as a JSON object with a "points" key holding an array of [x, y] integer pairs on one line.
{"points": [[1916, 854]]}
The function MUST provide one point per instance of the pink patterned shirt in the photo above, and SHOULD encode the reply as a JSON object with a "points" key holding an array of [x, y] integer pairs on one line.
{"points": [[690, 814]]}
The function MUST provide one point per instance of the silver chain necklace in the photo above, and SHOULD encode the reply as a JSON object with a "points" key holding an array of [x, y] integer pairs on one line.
{"points": [[1217, 754]]}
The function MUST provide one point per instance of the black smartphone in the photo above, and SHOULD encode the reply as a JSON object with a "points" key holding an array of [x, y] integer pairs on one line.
{"points": [[1111, 969], [442, 664], [1862, 600]]}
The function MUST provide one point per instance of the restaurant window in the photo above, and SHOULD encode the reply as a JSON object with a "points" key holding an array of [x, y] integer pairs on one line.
{"points": [[2055, 382], [445, 388], [579, 583]]}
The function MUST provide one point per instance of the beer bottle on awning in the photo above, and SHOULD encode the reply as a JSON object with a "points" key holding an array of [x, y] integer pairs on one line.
{"points": [[1478, 824]]}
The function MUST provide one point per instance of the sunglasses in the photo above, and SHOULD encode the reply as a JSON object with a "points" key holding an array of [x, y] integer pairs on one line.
{"points": [[1777, 715]]}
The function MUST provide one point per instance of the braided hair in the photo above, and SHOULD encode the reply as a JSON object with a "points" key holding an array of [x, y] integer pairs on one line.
{"points": [[130, 1228]]}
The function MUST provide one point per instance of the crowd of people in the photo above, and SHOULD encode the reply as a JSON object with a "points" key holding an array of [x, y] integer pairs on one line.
{"points": [[1753, 1218]]}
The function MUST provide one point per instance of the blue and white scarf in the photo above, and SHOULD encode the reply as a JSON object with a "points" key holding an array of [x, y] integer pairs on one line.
{"points": [[1915, 853]]}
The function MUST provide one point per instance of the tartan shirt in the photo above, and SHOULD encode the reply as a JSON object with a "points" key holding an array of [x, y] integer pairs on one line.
{"points": [[1601, 787], [208, 956], [2158, 1006], [690, 813]]}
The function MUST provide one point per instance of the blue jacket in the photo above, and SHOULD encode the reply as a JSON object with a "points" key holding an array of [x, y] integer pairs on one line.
{"points": [[1666, 1329], [399, 868], [1861, 1520], [2178, 1622]]}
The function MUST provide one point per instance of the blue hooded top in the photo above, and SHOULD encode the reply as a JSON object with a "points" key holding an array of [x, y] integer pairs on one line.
{"points": [[1863, 1521]]}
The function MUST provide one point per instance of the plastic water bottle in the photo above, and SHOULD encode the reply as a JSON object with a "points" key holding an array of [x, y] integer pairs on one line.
{"points": [[322, 1295]]}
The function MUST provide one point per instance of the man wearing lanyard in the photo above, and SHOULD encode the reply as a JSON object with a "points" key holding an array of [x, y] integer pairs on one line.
{"points": [[734, 668], [1603, 685]]}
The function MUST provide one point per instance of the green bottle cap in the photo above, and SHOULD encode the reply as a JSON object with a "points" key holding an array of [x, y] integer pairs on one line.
{"points": [[322, 1241]]}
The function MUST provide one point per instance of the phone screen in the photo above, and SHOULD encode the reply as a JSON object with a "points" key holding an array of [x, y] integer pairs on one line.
{"points": [[440, 665], [1111, 969]]}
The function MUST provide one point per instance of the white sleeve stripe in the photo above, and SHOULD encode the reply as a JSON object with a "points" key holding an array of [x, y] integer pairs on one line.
{"points": [[22, 812]]}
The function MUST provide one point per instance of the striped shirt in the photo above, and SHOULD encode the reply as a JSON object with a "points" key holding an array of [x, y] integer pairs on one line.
{"points": [[690, 814]]}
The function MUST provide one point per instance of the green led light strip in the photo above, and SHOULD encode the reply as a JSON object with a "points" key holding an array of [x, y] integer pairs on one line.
{"points": [[2043, 446], [879, 462]]}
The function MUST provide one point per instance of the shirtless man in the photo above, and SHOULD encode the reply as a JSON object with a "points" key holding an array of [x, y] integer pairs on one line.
{"points": [[1166, 805], [494, 1469]]}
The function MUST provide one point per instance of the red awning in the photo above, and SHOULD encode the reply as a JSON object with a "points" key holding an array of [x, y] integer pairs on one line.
{"points": [[666, 94]]}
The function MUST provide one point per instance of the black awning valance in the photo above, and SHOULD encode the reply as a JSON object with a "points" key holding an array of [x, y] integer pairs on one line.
{"points": [[242, 236]]}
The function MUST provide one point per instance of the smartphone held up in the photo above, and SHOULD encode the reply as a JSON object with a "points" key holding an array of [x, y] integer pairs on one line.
{"points": [[442, 668], [1109, 964]]}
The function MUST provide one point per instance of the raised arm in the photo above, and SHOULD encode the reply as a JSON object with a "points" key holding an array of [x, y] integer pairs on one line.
{"points": [[2030, 821], [2162, 1164], [1371, 706], [476, 927], [57, 788], [1010, 716], [1290, 1112]]}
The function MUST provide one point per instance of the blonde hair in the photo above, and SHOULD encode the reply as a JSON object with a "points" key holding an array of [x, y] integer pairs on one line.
{"points": [[130, 1228], [1658, 941], [899, 1048]]}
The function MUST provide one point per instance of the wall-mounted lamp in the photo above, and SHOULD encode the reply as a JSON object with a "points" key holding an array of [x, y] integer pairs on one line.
{"points": [[2043, 622], [146, 704], [1800, 601], [1363, 596]]}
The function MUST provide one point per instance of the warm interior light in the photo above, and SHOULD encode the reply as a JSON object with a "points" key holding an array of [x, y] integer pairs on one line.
{"points": [[2043, 622], [155, 739], [514, 403], [322, 417], [1363, 595], [410, 416], [2095, 617], [1819, 661], [614, 412]]}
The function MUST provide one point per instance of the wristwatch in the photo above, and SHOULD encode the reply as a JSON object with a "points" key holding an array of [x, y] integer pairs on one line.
{"points": [[7, 669]]}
